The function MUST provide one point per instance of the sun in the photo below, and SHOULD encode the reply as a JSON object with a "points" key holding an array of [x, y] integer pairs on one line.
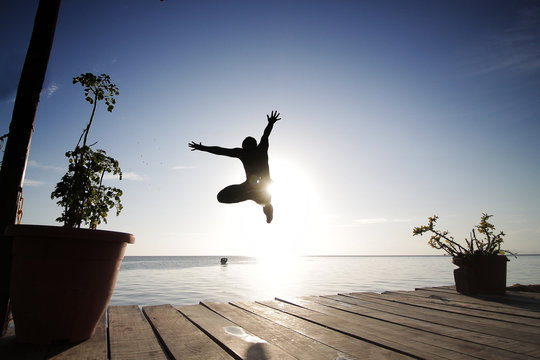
{"points": [[295, 212], [298, 222], [291, 189]]}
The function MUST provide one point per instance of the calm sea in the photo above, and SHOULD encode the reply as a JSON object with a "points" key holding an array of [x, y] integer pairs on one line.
{"points": [[185, 280]]}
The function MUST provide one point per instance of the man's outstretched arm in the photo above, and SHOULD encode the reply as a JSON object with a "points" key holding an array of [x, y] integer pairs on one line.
{"points": [[214, 149], [272, 119]]}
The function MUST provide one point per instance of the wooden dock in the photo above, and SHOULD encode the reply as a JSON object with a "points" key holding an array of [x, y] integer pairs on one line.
{"points": [[429, 323]]}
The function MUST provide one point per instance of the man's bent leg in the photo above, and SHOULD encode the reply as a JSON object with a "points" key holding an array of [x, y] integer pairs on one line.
{"points": [[242, 192], [233, 194]]}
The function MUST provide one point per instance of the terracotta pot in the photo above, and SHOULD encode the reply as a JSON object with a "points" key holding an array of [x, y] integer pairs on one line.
{"points": [[480, 274], [62, 280]]}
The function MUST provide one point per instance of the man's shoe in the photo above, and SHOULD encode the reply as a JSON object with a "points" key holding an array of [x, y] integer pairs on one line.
{"points": [[269, 212]]}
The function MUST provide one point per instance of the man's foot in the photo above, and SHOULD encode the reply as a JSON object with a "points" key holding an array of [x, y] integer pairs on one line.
{"points": [[269, 212]]}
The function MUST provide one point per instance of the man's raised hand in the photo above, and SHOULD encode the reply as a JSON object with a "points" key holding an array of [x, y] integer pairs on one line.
{"points": [[194, 146], [274, 116]]}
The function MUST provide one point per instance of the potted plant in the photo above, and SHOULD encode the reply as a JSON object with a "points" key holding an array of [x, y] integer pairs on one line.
{"points": [[62, 278], [481, 262]]}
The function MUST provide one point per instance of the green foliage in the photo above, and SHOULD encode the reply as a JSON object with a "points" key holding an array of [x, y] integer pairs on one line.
{"points": [[81, 192], [97, 88], [489, 245]]}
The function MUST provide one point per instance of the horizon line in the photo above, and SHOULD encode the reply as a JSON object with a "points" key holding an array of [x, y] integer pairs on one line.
{"points": [[380, 255]]}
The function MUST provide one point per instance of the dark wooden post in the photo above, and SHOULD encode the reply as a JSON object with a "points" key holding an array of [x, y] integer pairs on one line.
{"points": [[20, 134]]}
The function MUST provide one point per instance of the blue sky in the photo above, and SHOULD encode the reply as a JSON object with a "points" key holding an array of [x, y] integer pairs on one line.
{"points": [[392, 111]]}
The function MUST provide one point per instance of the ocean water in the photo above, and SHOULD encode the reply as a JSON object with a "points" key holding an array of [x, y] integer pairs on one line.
{"points": [[186, 280]]}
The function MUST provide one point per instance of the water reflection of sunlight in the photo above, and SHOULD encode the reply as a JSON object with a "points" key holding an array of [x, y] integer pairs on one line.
{"points": [[277, 258], [277, 275]]}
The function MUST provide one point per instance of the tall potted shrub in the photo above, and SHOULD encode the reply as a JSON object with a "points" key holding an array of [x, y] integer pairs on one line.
{"points": [[481, 262], [62, 278]]}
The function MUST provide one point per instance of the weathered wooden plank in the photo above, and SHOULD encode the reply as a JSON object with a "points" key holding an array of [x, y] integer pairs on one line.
{"points": [[241, 343], [471, 303], [447, 325], [322, 334], [509, 298], [182, 339], [448, 347], [487, 346], [451, 289], [462, 319], [366, 330], [93, 348], [459, 318], [300, 346], [131, 336], [526, 294]]}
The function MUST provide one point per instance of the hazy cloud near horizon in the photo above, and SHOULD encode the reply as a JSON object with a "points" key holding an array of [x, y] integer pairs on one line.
{"points": [[183, 167], [30, 182], [38, 165]]}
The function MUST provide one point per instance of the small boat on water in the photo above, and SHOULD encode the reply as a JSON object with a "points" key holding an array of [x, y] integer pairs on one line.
{"points": [[224, 261]]}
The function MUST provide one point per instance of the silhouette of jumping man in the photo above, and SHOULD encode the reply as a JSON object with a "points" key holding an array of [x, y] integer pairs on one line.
{"points": [[255, 160]]}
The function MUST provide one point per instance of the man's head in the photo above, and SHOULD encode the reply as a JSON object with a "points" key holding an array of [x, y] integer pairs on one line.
{"points": [[249, 143]]}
